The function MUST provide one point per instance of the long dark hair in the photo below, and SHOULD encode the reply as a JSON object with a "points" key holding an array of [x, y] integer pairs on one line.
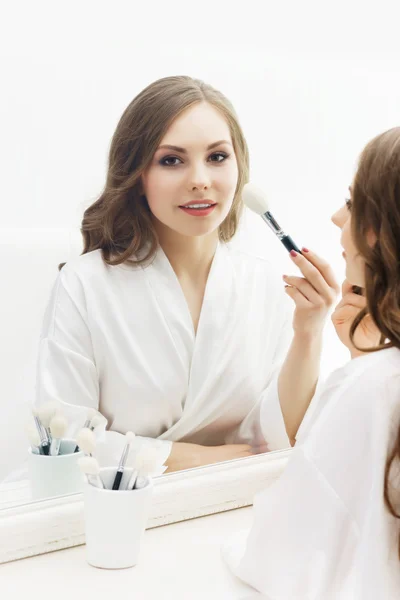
{"points": [[376, 215], [119, 222]]}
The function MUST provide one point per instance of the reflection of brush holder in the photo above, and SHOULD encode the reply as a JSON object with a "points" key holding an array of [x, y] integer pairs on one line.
{"points": [[115, 521], [55, 475]]}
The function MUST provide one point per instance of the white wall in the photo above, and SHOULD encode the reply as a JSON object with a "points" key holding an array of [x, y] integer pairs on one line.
{"points": [[311, 88]]}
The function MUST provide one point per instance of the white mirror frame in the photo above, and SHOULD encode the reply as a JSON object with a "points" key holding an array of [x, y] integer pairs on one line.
{"points": [[57, 523]]}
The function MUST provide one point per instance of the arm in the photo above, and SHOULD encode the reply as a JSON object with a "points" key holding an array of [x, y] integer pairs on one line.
{"points": [[314, 295], [299, 372]]}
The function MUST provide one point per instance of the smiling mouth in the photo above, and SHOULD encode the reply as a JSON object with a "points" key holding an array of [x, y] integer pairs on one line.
{"points": [[198, 205]]}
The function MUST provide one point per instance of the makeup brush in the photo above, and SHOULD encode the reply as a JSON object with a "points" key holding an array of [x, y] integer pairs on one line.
{"points": [[33, 437], [45, 413], [256, 200], [90, 467], [91, 413], [58, 427], [86, 441], [147, 462], [129, 437], [44, 446]]}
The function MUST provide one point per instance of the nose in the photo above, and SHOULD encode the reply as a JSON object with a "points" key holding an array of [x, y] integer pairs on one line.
{"points": [[339, 217], [199, 178], [335, 218]]}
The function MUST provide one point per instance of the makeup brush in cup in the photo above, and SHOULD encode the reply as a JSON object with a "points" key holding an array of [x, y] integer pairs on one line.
{"points": [[129, 437], [46, 412], [91, 468], [33, 437], [147, 462], [86, 441], [91, 413], [257, 201], [58, 427], [44, 446]]}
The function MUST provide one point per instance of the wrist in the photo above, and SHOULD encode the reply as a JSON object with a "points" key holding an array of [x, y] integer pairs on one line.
{"points": [[308, 338]]}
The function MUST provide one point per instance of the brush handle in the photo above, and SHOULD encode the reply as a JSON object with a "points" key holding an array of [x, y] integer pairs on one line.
{"points": [[131, 483], [96, 481], [55, 446], [117, 480], [42, 434], [289, 244]]}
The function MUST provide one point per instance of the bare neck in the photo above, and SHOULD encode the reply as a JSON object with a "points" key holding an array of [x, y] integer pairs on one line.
{"points": [[190, 257]]}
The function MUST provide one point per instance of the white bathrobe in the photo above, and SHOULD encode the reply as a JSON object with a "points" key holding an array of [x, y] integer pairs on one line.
{"points": [[322, 531], [121, 339]]}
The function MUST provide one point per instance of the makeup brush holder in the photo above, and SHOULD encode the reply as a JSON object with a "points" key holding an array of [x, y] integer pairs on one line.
{"points": [[115, 521], [55, 475]]}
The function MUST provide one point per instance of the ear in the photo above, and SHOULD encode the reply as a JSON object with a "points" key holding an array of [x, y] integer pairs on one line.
{"points": [[371, 238]]}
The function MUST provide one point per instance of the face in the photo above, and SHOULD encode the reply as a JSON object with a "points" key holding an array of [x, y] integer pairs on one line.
{"points": [[195, 163], [354, 262]]}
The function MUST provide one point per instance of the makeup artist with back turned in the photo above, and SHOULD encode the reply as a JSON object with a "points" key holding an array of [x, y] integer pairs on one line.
{"points": [[162, 324]]}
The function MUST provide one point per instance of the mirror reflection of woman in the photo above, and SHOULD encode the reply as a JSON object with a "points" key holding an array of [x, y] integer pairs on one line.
{"points": [[329, 529], [163, 323]]}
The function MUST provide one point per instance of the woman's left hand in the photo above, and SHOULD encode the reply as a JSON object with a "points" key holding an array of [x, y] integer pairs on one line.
{"points": [[314, 294]]}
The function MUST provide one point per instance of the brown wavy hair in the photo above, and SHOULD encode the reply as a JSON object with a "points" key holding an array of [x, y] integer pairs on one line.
{"points": [[119, 222], [376, 208]]}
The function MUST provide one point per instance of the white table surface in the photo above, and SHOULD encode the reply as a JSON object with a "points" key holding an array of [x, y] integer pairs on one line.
{"points": [[181, 561]]}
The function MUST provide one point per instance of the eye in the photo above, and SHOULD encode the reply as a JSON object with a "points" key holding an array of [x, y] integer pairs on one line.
{"points": [[349, 204], [219, 155], [164, 162]]}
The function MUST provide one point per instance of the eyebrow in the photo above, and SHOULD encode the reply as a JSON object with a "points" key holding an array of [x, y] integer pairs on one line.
{"points": [[184, 151]]}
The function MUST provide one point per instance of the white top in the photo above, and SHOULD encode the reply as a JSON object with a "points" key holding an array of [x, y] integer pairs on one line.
{"points": [[121, 339], [322, 531]]}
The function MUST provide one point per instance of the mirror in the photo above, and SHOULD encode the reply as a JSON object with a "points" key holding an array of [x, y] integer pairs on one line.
{"points": [[304, 132]]}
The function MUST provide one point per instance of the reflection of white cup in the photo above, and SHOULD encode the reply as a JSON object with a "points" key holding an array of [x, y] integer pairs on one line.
{"points": [[55, 475], [115, 521]]}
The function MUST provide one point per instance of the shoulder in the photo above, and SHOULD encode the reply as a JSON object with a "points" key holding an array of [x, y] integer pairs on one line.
{"points": [[88, 270]]}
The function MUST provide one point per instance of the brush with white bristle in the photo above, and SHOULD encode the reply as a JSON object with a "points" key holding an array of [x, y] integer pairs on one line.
{"points": [[44, 446], [86, 441], [58, 427], [147, 462], [90, 467], [33, 437], [96, 421], [257, 201], [46, 412], [129, 437]]}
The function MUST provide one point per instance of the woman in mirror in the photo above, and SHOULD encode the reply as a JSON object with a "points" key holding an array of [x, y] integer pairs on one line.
{"points": [[329, 528], [164, 325]]}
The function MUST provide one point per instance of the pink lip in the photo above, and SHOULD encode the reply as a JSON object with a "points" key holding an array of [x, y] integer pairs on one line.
{"points": [[204, 201], [197, 212]]}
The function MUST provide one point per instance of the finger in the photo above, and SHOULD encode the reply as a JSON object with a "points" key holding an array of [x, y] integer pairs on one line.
{"points": [[352, 300], [304, 287], [323, 267], [300, 300], [322, 281]]}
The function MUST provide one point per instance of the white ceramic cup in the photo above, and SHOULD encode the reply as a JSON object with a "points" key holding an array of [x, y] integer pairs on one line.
{"points": [[55, 475], [115, 521]]}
